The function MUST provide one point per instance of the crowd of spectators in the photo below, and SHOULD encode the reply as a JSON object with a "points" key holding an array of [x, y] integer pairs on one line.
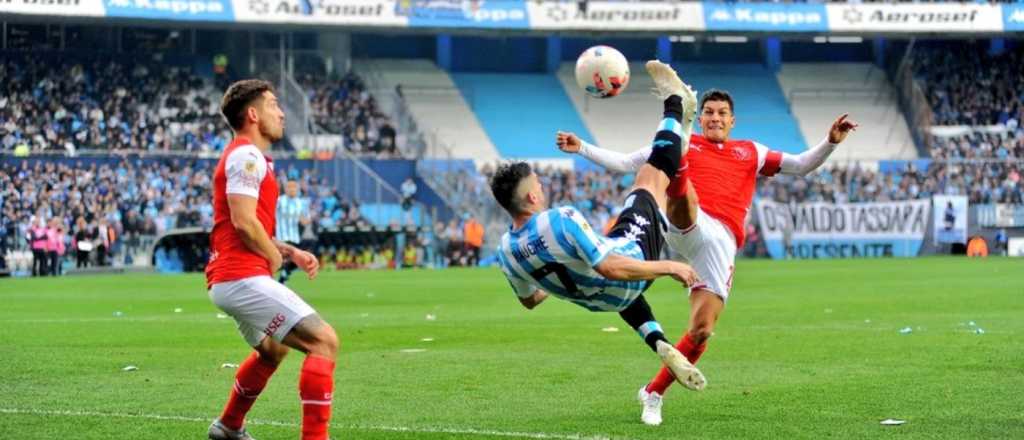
{"points": [[51, 103], [117, 207], [966, 85], [981, 182], [343, 106]]}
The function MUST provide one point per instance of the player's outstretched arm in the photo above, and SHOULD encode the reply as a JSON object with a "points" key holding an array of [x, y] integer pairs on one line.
{"points": [[250, 230], [305, 260], [534, 300], [623, 268], [803, 163], [610, 160]]}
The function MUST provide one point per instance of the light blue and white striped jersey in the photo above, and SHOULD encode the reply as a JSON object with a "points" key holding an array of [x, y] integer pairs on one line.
{"points": [[556, 251], [289, 211]]}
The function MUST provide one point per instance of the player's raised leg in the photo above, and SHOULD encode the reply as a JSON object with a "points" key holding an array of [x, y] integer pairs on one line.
{"points": [[669, 145], [682, 204], [319, 341]]}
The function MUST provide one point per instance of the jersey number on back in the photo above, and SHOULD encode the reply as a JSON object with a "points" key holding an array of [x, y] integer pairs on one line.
{"points": [[560, 271]]}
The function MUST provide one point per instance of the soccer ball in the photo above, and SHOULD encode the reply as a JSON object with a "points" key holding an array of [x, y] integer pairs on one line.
{"points": [[602, 72]]}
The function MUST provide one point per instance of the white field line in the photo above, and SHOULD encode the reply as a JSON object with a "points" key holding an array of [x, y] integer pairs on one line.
{"points": [[386, 428]]}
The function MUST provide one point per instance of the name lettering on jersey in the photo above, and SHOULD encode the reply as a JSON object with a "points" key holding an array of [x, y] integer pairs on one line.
{"points": [[524, 251]]}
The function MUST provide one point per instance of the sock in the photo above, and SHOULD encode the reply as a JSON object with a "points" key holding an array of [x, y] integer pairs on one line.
{"points": [[677, 187], [674, 108], [316, 389], [651, 333], [664, 378], [250, 380], [668, 141]]}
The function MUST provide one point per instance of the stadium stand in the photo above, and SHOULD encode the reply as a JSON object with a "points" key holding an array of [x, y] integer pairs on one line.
{"points": [[433, 99], [625, 124], [69, 102], [344, 106], [967, 85], [820, 92], [521, 112]]}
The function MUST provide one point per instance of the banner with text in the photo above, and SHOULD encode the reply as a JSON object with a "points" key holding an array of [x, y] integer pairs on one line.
{"points": [[327, 12], [950, 219], [504, 14], [189, 10], [827, 230], [608, 15], [799, 17], [915, 17], [1013, 17], [84, 8]]}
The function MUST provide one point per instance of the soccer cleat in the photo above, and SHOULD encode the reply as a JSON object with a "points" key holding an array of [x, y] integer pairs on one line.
{"points": [[652, 407], [220, 432], [667, 83], [685, 373]]}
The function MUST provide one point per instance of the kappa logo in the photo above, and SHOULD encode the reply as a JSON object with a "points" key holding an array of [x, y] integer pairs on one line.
{"points": [[633, 233], [767, 17], [1016, 17], [721, 15]]}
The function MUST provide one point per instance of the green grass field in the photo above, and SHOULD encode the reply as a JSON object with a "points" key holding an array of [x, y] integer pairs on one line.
{"points": [[804, 350]]}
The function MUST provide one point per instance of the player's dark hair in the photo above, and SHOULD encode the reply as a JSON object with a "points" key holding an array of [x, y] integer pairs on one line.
{"points": [[505, 181], [240, 96], [716, 95]]}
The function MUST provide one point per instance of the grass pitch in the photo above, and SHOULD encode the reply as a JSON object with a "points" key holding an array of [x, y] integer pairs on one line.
{"points": [[805, 349]]}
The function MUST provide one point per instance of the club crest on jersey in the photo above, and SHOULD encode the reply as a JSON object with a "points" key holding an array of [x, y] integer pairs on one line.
{"points": [[741, 153]]}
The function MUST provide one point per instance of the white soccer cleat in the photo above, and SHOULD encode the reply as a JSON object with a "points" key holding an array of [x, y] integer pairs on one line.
{"points": [[220, 432], [667, 83], [651, 414], [686, 373]]}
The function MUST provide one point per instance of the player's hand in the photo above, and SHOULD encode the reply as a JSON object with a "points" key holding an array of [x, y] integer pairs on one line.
{"points": [[307, 262], [568, 142], [685, 274], [840, 128]]}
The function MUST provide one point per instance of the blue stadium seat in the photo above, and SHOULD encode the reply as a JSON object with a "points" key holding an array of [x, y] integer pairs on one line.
{"points": [[382, 214], [521, 112], [762, 112]]}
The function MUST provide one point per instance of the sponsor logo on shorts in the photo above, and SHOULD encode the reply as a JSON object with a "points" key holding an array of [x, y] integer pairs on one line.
{"points": [[274, 324]]}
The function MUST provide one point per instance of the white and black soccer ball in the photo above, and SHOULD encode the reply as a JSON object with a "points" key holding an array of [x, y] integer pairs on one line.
{"points": [[602, 72]]}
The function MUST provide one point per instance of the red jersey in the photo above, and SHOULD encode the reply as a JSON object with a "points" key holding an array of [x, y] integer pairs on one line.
{"points": [[243, 169], [725, 177]]}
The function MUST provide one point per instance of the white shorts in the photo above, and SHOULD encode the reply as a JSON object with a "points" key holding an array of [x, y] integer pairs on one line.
{"points": [[710, 248], [261, 306]]}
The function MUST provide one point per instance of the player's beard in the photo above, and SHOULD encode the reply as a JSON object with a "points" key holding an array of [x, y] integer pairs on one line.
{"points": [[269, 133]]}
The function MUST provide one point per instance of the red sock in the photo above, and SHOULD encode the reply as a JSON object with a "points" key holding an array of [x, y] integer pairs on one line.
{"points": [[252, 376], [665, 378], [316, 388], [677, 187]]}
